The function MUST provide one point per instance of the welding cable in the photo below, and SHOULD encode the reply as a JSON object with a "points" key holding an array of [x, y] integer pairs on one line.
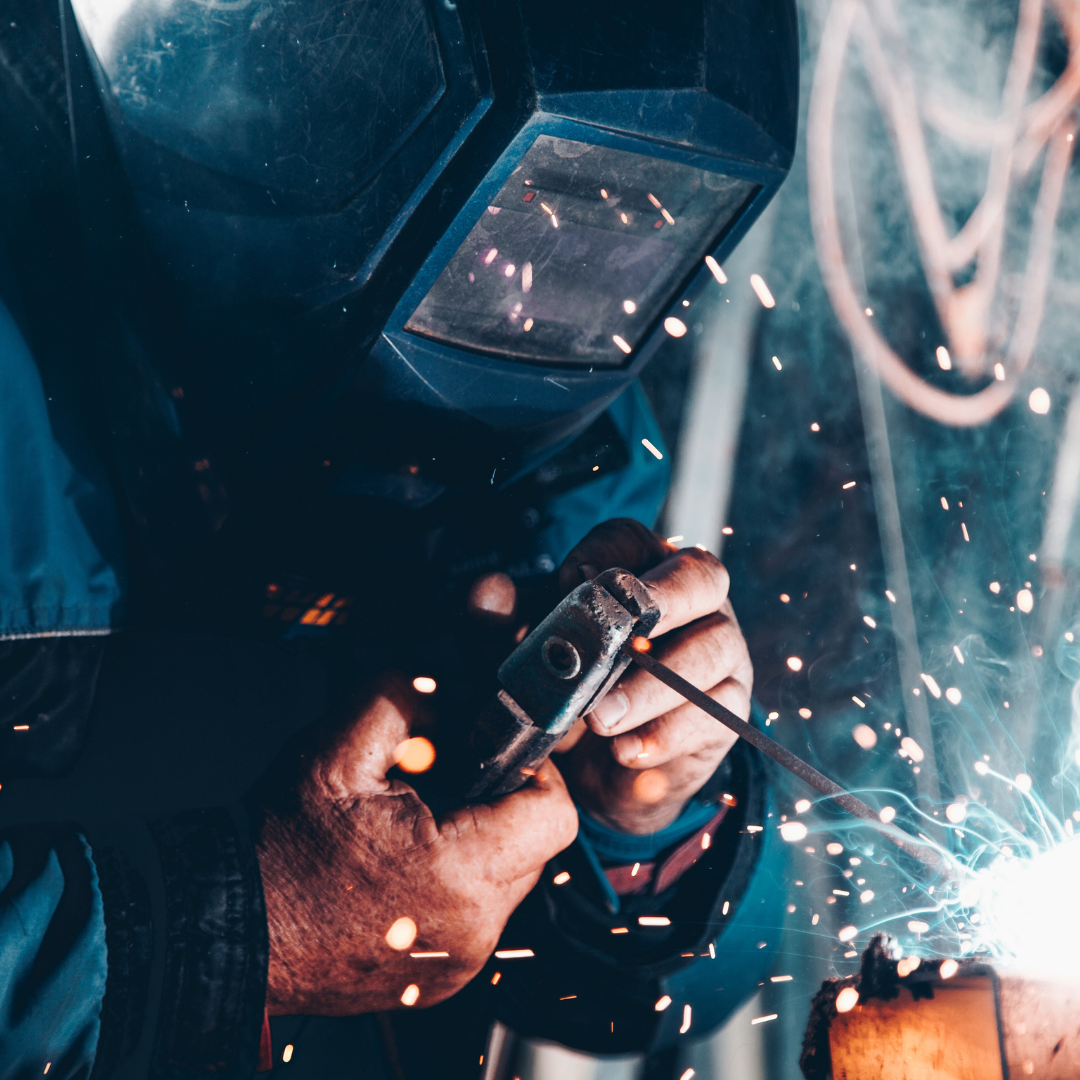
{"points": [[926, 854]]}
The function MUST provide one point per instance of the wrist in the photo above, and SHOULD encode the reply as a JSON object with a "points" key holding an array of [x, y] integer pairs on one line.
{"points": [[215, 957], [615, 845]]}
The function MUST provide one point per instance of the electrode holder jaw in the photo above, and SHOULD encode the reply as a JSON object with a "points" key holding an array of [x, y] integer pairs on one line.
{"points": [[555, 676]]}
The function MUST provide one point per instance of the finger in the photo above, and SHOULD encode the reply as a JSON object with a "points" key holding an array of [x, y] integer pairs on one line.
{"points": [[493, 598], [686, 731], [637, 800], [362, 750], [514, 836], [687, 585], [706, 653], [621, 542]]}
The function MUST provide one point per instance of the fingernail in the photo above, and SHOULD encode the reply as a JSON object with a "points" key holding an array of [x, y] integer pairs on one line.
{"points": [[627, 748], [587, 571], [611, 709]]}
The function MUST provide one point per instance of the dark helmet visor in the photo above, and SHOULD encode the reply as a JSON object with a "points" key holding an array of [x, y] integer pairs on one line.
{"points": [[578, 255]]}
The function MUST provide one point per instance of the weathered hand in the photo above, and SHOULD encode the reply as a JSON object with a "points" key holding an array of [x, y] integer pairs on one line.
{"points": [[643, 751], [346, 854]]}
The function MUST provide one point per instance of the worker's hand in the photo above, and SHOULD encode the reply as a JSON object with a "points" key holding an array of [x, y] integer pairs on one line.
{"points": [[643, 751], [359, 876]]}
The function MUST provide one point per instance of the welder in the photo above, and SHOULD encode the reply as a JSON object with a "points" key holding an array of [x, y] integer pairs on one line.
{"points": [[361, 292]]}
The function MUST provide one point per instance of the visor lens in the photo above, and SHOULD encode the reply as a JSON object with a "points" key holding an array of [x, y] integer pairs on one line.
{"points": [[578, 255]]}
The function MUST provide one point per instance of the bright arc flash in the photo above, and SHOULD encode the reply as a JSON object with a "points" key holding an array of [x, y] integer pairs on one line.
{"points": [[1028, 908]]}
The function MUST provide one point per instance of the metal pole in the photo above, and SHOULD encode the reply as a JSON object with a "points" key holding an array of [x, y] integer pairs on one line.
{"points": [[890, 528]]}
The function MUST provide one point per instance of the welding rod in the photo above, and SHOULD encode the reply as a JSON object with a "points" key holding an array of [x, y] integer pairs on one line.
{"points": [[923, 852]]}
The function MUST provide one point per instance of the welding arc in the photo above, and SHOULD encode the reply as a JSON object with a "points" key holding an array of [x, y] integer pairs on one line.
{"points": [[923, 852]]}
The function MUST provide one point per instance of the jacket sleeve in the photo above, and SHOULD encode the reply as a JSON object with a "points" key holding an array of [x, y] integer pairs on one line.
{"points": [[599, 977], [46, 691], [52, 953], [139, 951]]}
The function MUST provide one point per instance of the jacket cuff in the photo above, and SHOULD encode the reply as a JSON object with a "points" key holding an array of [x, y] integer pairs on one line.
{"points": [[216, 948], [129, 944], [188, 949]]}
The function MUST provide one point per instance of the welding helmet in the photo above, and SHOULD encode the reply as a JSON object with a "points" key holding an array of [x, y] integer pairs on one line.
{"points": [[421, 234]]}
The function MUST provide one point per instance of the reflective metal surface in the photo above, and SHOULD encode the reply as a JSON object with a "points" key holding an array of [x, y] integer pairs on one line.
{"points": [[578, 254]]}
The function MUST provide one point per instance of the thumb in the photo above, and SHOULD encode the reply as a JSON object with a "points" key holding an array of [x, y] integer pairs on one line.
{"points": [[492, 598], [517, 834], [621, 542], [374, 725]]}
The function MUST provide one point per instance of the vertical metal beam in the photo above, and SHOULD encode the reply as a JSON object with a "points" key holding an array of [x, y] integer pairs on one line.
{"points": [[1060, 515], [886, 504], [890, 530], [701, 486]]}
